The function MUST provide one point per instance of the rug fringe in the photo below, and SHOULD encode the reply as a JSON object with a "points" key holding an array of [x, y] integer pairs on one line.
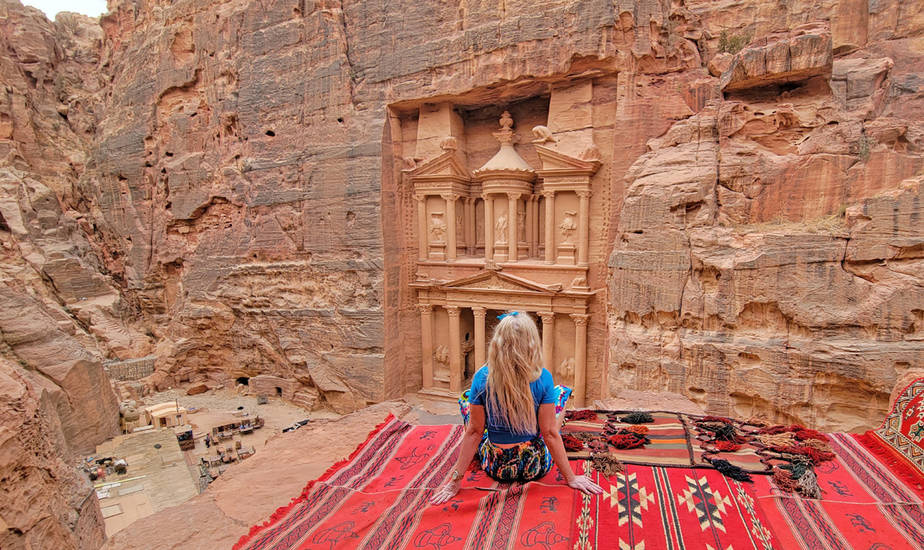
{"points": [[283, 510], [897, 464]]}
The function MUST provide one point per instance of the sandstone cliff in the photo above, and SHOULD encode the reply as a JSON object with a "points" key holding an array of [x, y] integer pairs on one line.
{"points": [[59, 311], [232, 182]]}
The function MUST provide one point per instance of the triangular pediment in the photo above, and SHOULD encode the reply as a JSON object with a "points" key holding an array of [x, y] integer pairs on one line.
{"points": [[494, 280], [440, 166], [557, 161]]}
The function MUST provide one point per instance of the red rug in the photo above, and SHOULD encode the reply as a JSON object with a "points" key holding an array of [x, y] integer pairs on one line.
{"points": [[377, 499], [899, 442], [654, 508], [863, 505]]}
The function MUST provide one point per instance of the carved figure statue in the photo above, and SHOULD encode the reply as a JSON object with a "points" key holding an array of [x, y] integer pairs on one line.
{"points": [[568, 226], [566, 369], [591, 153], [449, 144], [506, 121], [437, 227], [441, 355], [543, 134], [500, 229], [521, 223]]}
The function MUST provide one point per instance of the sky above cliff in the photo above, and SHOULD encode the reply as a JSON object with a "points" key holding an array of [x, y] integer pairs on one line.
{"points": [[93, 8]]}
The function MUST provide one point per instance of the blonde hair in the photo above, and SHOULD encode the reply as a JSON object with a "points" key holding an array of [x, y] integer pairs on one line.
{"points": [[514, 360]]}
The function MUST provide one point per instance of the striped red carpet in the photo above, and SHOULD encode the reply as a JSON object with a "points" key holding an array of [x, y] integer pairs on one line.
{"points": [[377, 499]]}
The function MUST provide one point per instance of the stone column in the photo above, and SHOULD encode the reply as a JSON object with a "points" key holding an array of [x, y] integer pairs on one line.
{"points": [[580, 357], [470, 237], [426, 343], [480, 344], [422, 233], [488, 228], [548, 339], [455, 350], [450, 226], [530, 220], [512, 253], [583, 226], [549, 226]]}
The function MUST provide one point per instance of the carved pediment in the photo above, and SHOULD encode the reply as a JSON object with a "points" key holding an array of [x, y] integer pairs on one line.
{"points": [[442, 166], [493, 280], [556, 161]]}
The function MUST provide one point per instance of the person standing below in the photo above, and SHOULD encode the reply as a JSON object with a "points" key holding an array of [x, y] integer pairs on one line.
{"points": [[519, 403]]}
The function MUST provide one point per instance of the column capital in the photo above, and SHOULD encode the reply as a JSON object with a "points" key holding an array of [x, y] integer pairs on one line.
{"points": [[450, 196], [511, 195], [479, 312], [546, 316], [584, 193], [580, 319], [486, 196], [425, 309], [548, 194], [420, 198], [453, 311]]}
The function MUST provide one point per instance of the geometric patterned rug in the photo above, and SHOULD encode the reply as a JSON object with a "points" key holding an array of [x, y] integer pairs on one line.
{"points": [[903, 428], [377, 499], [674, 439]]}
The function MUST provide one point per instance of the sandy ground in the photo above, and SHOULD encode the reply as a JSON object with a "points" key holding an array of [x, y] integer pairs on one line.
{"points": [[248, 493]]}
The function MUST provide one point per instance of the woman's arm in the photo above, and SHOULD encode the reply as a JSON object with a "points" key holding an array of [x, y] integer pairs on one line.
{"points": [[470, 441], [548, 426]]}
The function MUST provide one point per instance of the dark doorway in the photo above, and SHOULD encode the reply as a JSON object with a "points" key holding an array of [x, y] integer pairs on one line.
{"points": [[243, 380]]}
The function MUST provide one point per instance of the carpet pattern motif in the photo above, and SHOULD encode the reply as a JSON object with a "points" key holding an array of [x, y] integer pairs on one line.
{"points": [[903, 428]]}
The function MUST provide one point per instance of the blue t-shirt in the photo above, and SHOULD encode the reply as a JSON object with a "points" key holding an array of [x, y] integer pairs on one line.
{"points": [[498, 431]]}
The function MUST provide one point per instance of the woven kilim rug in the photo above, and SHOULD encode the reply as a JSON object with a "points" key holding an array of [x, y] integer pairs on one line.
{"points": [[863, 505], [378, 499], [674, 440], [899, 442], [655, 508]]}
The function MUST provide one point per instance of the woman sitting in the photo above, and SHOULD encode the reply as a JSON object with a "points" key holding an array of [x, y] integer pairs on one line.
{"points": [[520, 404]]}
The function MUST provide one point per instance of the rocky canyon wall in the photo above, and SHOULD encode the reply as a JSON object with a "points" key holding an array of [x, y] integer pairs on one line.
{"points": [[768, 256], [228, 179]]}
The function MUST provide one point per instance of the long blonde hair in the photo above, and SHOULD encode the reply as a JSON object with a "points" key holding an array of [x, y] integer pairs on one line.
{"points": [[514, 360]]}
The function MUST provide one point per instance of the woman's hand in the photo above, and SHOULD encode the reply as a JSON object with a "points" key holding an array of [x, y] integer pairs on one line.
{"points": [[448, 491], [585, 485]]}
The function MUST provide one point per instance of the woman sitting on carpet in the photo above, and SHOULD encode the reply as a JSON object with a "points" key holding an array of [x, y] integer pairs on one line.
{"points": [[521, 405]]}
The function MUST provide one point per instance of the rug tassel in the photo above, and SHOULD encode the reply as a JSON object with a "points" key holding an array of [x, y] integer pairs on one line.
{"points": [[728, 469], [808, 485]]}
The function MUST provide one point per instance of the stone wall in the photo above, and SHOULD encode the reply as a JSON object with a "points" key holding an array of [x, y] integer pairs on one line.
{"points": [[130, 369]]}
